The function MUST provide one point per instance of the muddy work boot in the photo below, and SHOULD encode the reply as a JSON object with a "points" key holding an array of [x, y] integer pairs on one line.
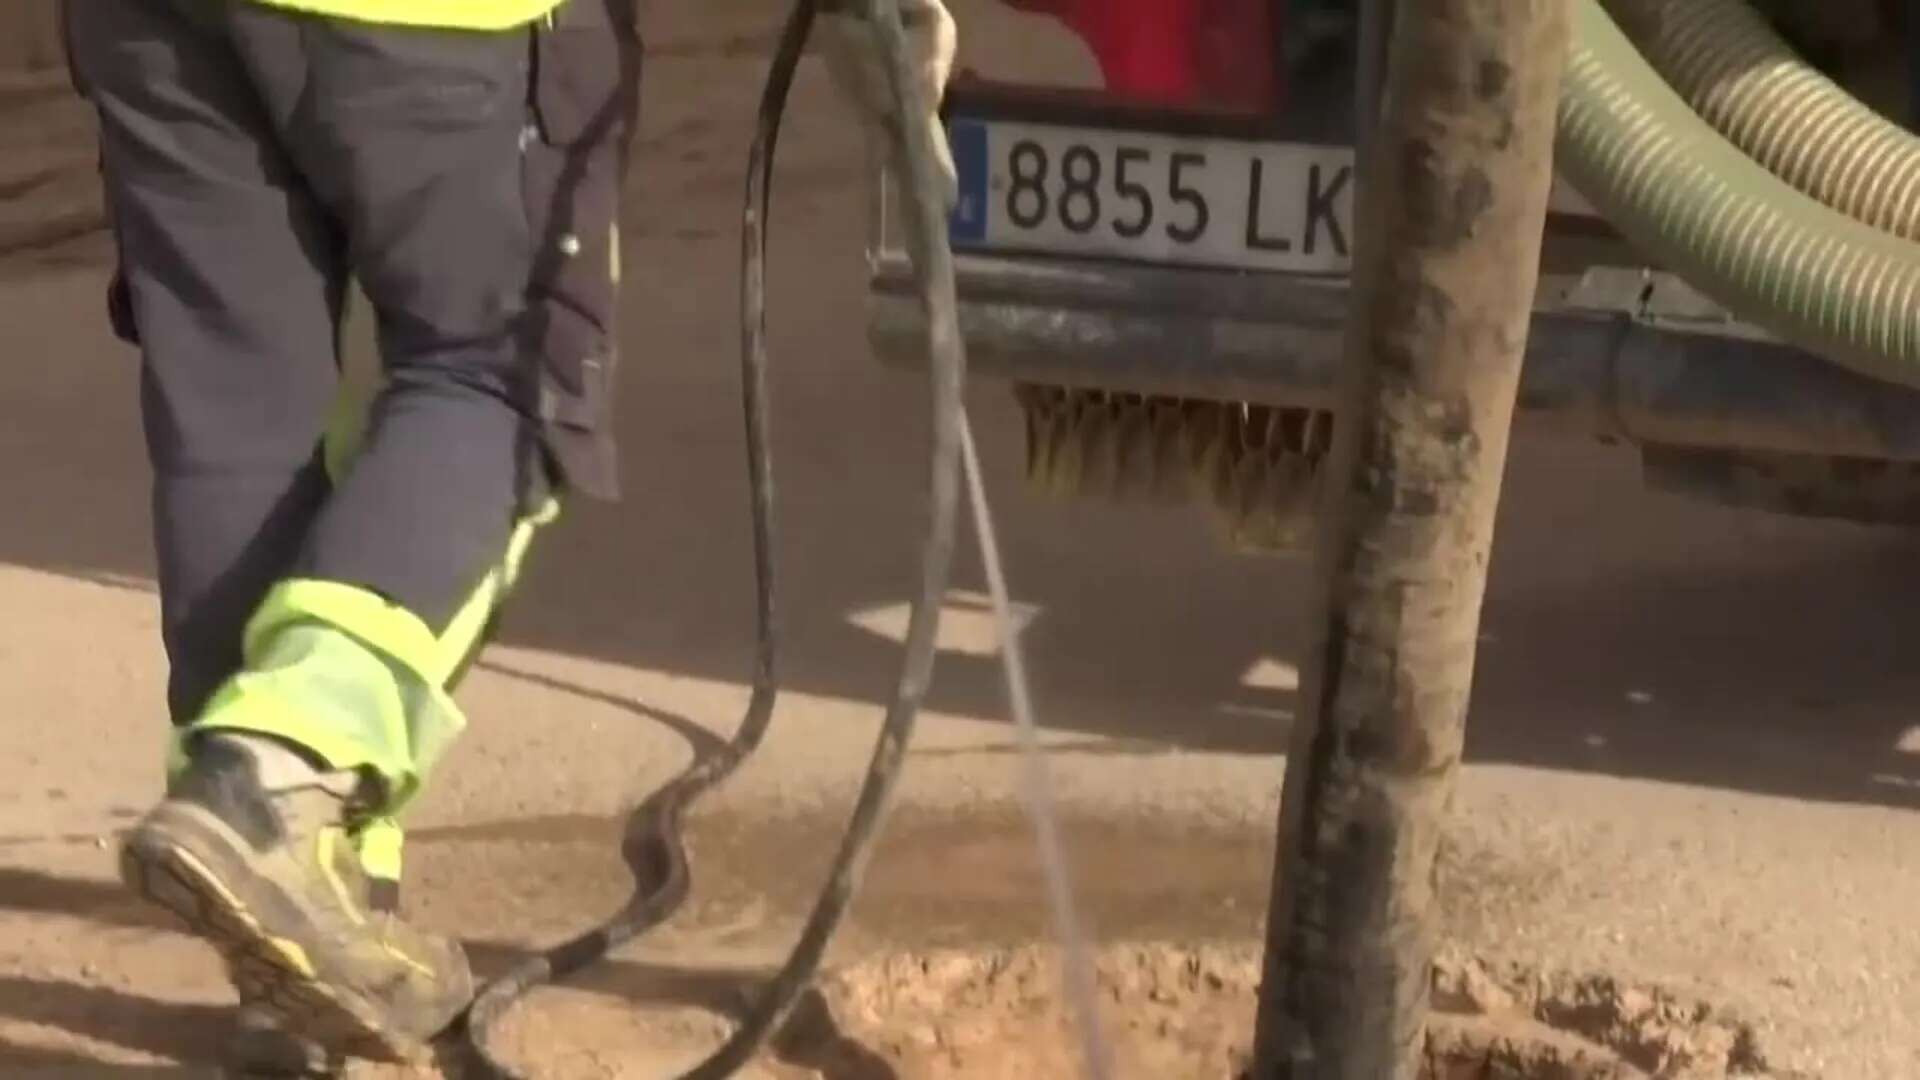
{"points": [[251, 847], [261, 1048]]}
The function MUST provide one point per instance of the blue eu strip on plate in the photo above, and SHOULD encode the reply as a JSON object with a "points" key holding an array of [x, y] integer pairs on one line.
{"points": [[969, 222]]}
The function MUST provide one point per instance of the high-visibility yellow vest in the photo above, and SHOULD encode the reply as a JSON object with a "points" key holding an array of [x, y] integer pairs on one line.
{"points": [[451, 14]]}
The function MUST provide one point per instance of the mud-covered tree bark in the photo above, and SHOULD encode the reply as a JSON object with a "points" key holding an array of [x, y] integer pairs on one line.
{"points": [[1458, 173]]}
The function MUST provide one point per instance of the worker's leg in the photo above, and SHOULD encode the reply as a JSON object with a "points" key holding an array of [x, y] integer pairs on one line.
{"points": [[574, 156], [252, 844], [234, 311], [348, 666], [236, 485], [261, 1043], [379, 840], [574, 165], [411, 139]]}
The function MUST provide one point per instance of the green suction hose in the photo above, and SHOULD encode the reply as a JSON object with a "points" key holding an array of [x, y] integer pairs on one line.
{"points": [[1693, 201], [1730, 65]]}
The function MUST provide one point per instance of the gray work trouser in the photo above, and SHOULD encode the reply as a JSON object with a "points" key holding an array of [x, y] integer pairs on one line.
{"points": [[255, 160]]}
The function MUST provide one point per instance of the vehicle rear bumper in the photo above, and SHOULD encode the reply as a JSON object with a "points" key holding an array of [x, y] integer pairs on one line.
{"points": [[1619, 353]]}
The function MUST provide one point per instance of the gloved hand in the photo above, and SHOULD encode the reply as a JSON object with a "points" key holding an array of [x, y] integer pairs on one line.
{"points": [[851, 49]]}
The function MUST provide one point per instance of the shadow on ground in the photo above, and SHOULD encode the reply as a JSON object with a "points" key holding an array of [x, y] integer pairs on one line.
{"points": [[168, 1030], [193, 1033]]}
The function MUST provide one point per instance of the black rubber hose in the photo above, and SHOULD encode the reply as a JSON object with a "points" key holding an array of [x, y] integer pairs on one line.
{"points": [[653, 845], [947, 376]]}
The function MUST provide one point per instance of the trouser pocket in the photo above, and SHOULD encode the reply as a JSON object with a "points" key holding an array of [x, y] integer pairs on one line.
{"points": [[585, 100]]}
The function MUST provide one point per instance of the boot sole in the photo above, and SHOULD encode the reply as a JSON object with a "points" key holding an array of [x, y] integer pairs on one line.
{"points": [[175, 860]]}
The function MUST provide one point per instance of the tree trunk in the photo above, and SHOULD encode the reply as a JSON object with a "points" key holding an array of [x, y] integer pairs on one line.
{"points": [[1454, 199]]}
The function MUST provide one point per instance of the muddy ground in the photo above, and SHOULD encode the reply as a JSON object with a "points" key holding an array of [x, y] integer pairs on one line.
{"points": [[1689, 827]]}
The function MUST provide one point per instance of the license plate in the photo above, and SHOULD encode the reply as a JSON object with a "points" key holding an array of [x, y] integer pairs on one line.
{"points": [[1152, 197]]}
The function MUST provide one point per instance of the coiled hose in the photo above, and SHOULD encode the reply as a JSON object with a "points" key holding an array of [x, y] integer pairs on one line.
{"points": [[1730, 65], [1692, 200], [653, 846]]}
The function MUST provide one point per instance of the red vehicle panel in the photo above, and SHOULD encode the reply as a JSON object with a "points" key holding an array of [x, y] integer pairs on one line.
{"points": [[1213, 53]]}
